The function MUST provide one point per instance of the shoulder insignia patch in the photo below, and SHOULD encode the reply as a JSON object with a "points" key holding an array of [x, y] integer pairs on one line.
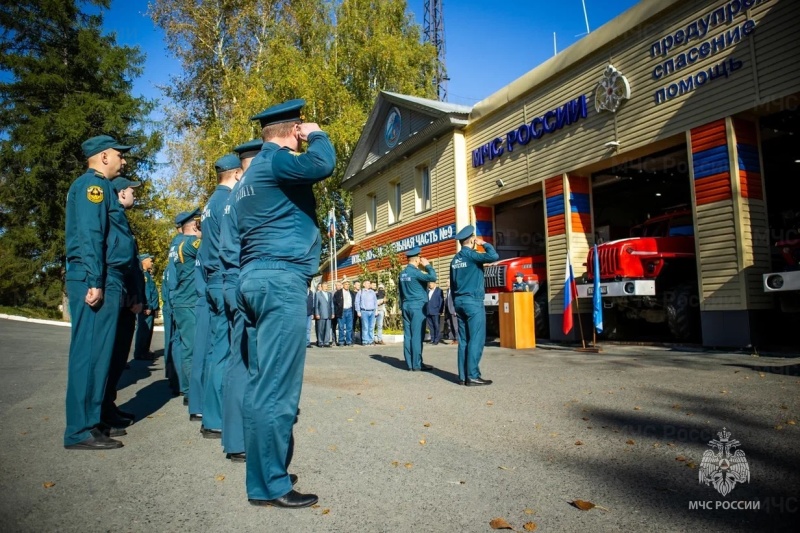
{"points": [[196, 243], [95, 194], [294, 153]]}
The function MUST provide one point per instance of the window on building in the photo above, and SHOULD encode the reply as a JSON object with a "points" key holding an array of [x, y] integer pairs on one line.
{"points": [[395, 202], [423, 189], [372, 213]]}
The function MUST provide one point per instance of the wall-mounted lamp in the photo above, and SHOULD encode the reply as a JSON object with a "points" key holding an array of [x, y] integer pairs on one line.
{"points": [[612, 144], [499, 183]]}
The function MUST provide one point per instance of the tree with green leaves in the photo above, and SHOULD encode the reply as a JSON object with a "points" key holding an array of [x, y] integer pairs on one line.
{"points": [[61, 81], [241, 56]]}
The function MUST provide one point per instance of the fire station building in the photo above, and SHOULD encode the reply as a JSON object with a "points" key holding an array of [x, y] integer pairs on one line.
{"points": [[680, 109]]}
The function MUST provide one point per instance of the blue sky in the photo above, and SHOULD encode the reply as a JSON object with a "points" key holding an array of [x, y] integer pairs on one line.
{"points": [[489, 44]]}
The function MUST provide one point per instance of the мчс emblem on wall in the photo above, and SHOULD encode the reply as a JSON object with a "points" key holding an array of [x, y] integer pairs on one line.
{"points": [[612, 89], [722, 468], [391, 132]]}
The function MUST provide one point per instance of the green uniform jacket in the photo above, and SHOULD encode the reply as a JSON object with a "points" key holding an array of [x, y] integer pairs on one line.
{"points": [[414, 283]]}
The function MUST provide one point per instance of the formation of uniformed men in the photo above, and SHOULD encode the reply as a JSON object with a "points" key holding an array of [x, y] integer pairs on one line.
{"points": [[233, 291]]}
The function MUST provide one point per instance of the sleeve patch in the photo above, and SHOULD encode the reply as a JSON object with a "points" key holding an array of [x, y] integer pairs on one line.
{"points": [[196, 243], [95, 194]]}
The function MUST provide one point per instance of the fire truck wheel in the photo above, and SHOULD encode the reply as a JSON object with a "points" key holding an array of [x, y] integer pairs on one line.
{"points": [[681, 313]]}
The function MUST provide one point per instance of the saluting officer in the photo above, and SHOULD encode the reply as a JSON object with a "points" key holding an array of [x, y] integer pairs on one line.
{"points": [[145, 320], [280, 248], [183, 295], [413, 285], [236, 370], [98, 254], [229, 170], [466, 280]]}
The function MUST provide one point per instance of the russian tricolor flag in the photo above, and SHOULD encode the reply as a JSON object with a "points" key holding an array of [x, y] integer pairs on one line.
{"points": [[570, 293]]}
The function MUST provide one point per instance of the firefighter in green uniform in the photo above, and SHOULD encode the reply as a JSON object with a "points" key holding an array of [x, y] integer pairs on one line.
{"points": [[183, 294], [98, 254], [413, 284], [466, 282], [145, 320], [280, 248], [167, 281]]}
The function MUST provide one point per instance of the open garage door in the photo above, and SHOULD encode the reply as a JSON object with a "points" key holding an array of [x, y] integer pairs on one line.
{"points": [[780, 149], [645, 232], [520, 242]]}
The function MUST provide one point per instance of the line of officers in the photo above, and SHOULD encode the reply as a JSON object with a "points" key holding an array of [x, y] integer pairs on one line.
{"points": [[234, 296]]}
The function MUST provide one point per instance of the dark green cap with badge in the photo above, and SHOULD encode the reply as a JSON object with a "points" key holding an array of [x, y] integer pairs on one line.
{"points": [[186, 216], [120, 184], [285, 112], [249, 149], [413, 251], [465, 233], [227, 162], [95, 145], [142, 257]]}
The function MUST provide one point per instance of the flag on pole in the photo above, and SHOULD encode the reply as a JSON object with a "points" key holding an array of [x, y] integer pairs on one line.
{"points": [[331, 224], [569, 294], [597, 297]]}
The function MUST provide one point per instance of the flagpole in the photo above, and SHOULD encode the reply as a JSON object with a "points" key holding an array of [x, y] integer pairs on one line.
{"points": [[580, 323], [335, 258]]}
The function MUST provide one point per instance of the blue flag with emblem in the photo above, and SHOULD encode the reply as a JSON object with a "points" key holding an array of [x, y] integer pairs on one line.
{"points": [[597, 298]]}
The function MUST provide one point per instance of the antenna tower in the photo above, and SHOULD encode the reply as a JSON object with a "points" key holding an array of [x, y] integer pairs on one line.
{"points": [[434, 34]]}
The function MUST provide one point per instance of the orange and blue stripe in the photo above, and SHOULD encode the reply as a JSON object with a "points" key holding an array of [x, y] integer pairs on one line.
{"points": [[710, 162]]}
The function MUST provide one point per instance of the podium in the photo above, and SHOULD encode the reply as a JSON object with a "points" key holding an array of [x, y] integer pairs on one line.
{"points": [[516, 320]]}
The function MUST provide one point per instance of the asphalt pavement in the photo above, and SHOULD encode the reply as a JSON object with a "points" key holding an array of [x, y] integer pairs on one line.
{"points": [[389, 450]]}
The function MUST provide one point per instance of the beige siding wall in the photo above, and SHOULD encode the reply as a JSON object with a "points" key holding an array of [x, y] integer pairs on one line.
{"points": [[715, 241], [768, 72], [440, 158]]}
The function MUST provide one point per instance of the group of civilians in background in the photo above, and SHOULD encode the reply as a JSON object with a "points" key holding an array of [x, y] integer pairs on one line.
{"points": [[356, 312]]}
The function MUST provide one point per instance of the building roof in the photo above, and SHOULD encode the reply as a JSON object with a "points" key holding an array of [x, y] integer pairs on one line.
{"points": [[432, 118]]}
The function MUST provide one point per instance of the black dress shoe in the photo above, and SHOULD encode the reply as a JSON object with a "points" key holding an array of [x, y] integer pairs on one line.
{"points": [[426, 368], [478, 382], [97, 441], [290, 500], [185, 400], [460, 382], [116, 421], [211, 433], [110, 431], [240, 457], [195, 418]]}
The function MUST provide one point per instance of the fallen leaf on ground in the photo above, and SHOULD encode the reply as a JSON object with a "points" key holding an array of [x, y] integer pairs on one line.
{"points": [[656, 445], [430, 397], [637, 408], [457, 482], [761, 375], [409, 465], [578, 443], [427, 424], [690, 464], [585, 418], [422, 442], [630, 442], [395, 463], [25, 432], [791, 422], [500, 523], [312, 430], [372, 423], [332, 447], [48, 484], [29, 408], [149, 416], [676, 406], [671, 445], [349, 419], [326, 511], [529, 511], [490, 402], [583, 505], [680, 458], [779, 427], [530, 526], [220, 477], [316, 506]]}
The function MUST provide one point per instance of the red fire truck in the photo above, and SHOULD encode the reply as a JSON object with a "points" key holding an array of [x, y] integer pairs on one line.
{"points": [[651, 276], [786, 285], [499, 277]]}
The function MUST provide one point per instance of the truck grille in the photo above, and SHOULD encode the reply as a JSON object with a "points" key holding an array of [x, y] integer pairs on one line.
{"points": [[494, 276], [609, 262]]}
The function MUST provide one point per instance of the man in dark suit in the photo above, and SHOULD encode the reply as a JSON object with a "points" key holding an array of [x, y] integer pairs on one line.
{"points": [[450, 320], [433, 310], [343, 300], [309, 315], [323, 311]]}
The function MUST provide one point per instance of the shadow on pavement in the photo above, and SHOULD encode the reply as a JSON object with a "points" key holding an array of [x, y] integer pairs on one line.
{"points": [[400, 364], [149, 399]]}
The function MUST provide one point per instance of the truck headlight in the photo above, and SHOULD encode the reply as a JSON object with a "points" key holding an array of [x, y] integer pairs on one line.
{"points": [[775, 281], [629, 287]]}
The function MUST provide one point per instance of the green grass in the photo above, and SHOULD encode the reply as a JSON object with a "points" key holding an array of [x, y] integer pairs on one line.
{"points": [[31, 312]]}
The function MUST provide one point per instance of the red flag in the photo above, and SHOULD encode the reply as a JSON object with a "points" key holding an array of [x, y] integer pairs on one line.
{"points": [[570, 293]]}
